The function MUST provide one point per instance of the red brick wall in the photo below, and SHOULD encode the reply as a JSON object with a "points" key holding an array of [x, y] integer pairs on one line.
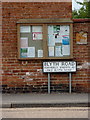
{"points": [[81, 55], [0, 45], [14, 71]]}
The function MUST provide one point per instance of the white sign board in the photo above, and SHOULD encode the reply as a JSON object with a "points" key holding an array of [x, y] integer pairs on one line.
{"points": [[63, 66]]}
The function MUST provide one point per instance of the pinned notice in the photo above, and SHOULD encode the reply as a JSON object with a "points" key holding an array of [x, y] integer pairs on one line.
{"points": [[31, 51], [64, 29], [25, 29], [58, 51], [37, 32], [37, 35], [23, 52], [81, 37], [23, 42], [40, 53], [66, 49], [65, 40], [51, 40], [51, 51]]}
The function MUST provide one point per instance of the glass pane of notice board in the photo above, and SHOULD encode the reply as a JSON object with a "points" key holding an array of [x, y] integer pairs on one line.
{"points": [[48, 41], [58, 40], [31, 41]]}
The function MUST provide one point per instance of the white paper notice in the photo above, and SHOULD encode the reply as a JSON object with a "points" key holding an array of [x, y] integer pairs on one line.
{"points": [[50, 30], [58, 39], [58, 51], [40, 53], [51, 51], [23, 42], [66, 49], [51, 40], [64, 29], [36, 28], [25, 29], [31, 51]]}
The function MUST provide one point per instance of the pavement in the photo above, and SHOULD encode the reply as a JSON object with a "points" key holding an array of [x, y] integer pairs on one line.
{"points": [[25, 100]]}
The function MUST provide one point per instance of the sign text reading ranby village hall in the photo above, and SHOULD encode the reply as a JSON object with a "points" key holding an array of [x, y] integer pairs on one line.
{"points": [[63, 66]]}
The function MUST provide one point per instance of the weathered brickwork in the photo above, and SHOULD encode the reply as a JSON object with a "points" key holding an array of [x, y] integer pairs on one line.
{"points": [[27, 76], [0, 46], [81, 55]]}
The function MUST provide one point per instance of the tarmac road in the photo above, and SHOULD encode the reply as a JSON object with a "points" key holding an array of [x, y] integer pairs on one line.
{"points": [[51, 112]]}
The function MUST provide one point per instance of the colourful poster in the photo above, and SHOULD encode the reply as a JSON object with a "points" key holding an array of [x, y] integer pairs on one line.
{"points": [[37, 32], [65, 40], [53, 35], [56, 28], [81, 38], [37, 35], [23, 52]]}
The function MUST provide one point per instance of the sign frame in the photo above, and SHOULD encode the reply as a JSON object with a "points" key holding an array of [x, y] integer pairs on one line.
{"points": [[68, 71]]}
